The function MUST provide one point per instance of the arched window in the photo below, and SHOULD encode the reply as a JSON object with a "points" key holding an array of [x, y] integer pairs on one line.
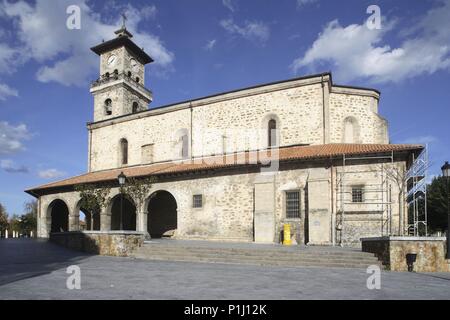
{"points": [[107, 75], [135, 107], [129, 74], [124, 151], [116, 73], [184, 146], [108, 107], [137, 79], [272, 133], [351, 130]]}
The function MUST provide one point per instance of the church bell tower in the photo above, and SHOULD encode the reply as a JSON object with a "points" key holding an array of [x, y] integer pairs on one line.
{"points": [[120, 89]]}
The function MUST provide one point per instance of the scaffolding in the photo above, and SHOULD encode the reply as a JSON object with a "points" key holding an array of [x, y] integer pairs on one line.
{"points": [[416, 196], [376, 193]]}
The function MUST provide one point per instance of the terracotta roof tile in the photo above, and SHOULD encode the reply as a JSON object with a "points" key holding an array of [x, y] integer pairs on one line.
{"points": [[232, 160]]}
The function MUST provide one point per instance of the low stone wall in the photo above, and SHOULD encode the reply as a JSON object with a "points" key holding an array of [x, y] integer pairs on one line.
{"points": [[392, 252], [108, 243]]}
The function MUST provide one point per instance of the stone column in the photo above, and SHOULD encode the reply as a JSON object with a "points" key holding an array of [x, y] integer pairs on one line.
{"points": [[74, 222], [141, 222], [105, 220]]}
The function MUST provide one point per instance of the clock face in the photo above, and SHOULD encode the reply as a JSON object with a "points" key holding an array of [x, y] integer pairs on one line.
{"points": [[112, 60], [134, 65]]}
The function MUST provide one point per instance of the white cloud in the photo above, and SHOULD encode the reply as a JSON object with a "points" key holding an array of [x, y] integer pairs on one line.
{"points": [[252, 30], [12, 137], [8, 58], [210, 45], [51, 174], [10, 167], [65, 53], [357, 52], [229, 5], [6, 91], [301, 3]]}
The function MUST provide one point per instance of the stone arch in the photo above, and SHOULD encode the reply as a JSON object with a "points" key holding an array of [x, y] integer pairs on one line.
{"points": [[58, 212], [135, 107], [271, 131], [351, 130], [123, 213], [162, 219], [108, 107], [92, 219]]}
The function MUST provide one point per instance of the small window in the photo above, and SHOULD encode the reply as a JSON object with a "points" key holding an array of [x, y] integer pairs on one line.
{"points": [[197, 201], [107, 75], [357, 194], [272, 133], [137, 79], [124, 151], [293, 204], [108, 107], [129, 74]]}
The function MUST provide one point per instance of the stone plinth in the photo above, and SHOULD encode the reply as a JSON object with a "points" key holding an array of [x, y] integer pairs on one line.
{"points": [[392, 252], [108, 243]]}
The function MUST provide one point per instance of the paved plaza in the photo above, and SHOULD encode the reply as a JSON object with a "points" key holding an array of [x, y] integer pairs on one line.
{"points": [[36, 269]]}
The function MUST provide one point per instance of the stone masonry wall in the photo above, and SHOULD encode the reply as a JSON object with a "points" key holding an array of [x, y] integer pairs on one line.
{"points": [[237, 122]]}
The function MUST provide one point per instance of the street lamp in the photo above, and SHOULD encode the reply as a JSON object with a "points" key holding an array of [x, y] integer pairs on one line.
{"points": [[122, 179], [446, 173]]}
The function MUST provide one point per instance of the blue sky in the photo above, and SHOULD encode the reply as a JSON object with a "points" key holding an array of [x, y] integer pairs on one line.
{"points": [[203, 47]]}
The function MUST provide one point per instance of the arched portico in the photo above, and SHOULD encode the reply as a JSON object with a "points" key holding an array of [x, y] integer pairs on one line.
{"points": [[123, 213], [162, 214], [92, 220], [58, 211]]}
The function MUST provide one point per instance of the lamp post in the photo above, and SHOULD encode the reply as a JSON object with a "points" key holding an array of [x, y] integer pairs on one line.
{"points": [[122, 179], [446, 173]]}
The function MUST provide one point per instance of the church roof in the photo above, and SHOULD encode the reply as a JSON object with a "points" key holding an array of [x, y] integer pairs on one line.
{"points": [[235, 160]]}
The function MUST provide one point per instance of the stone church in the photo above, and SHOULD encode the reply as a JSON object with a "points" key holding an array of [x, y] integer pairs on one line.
{"points": [[237, 165]]}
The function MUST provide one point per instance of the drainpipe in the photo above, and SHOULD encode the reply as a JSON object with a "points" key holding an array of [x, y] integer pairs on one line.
{"points": [[323, 108], [333, 218], [192, 151], [90, 149]]}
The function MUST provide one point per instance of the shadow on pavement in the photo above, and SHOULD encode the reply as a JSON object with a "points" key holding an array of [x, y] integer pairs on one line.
{"points": [[27, 258]]}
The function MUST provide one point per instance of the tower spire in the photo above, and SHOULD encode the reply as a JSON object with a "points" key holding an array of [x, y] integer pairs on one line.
{"points": [[123, 30], [124, 19]]}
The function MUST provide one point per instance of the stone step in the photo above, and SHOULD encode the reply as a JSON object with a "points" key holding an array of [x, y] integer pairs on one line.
{"points": [[258, 258], [236, 251], [265, 262], [320, 257], [244, 255]]}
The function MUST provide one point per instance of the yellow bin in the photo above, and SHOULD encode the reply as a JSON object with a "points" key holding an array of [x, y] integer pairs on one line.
{"points": [[287, 234]]}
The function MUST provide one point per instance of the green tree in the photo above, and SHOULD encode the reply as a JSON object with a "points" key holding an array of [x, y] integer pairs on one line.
{"points": [[28, 221], [3, 219], [437, 203], [14, 223], [138, 189], [93, 199]]}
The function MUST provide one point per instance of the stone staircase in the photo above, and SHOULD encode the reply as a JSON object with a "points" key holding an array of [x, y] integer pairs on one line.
{"points": [[254, 254]]}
